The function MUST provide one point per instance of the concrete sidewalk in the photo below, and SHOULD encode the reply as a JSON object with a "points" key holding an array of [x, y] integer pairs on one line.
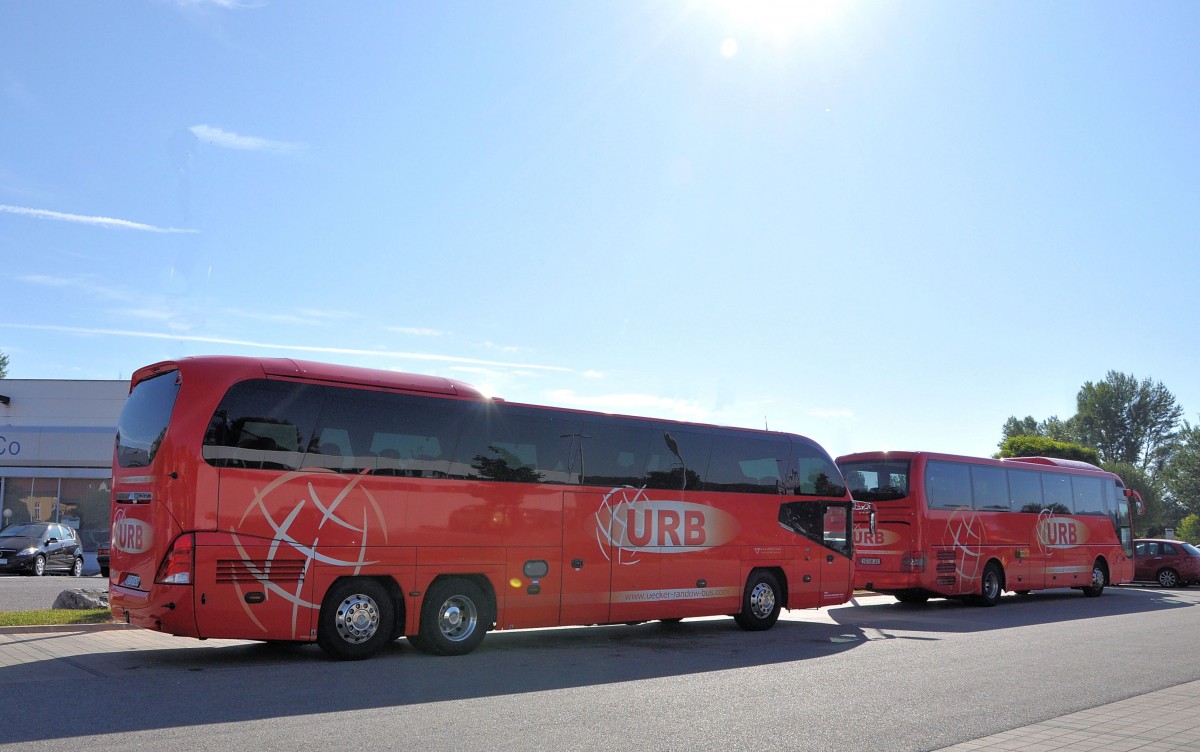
{"points": [[1164, 721]]}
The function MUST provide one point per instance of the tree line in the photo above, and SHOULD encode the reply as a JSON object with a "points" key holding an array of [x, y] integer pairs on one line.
{"points": [[1134, 428]]}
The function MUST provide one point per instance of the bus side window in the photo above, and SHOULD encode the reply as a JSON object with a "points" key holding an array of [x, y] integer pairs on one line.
{"points": [[990, 488], [612, 452], [518, 445], [1056, 488], [947, 485], [1089, 495], [746, 465], [261, 424]]}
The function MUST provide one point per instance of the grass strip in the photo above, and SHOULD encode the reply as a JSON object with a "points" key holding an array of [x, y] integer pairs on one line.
{"points": [[55, 616]]}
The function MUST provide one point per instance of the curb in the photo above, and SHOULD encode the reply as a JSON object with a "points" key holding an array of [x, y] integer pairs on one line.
{"points": [[47, 628]]}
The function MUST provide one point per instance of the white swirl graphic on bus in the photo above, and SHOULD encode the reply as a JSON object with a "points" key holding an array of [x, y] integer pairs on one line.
{"points": [[309, 516]]}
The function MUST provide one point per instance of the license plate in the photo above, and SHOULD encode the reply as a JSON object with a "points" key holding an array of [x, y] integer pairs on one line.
{"points": [[3, 561], [869, 560], [132, 580]]}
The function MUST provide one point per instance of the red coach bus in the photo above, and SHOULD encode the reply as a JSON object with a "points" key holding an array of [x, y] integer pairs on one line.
{"points": [[949, 526], [280, 500]]}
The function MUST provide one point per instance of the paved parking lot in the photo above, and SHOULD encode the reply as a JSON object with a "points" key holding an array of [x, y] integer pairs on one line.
{"points": [[1160, 721]]}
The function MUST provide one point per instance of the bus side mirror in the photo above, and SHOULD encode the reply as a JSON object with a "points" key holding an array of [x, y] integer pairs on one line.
{"points": [[1138, 506]]}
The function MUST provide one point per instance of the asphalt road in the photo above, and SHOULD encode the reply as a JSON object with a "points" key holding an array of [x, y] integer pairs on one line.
{"points": [[23, 593], [870, 676]]}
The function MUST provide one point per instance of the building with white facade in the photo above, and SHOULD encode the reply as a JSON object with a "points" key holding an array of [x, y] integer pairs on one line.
{"points": [[56, 448]]}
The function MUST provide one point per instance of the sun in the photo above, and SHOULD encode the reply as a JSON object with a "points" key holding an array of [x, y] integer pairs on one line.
{"points": [[782, 19]]}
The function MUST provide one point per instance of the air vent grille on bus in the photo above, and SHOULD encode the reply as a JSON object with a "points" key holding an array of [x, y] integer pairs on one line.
{"points": [[260, 570]]}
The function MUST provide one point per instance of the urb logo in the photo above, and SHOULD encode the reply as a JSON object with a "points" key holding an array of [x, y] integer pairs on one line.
{"points": [[1057, 532], [631, 523], [131, 536], [864, 538]]}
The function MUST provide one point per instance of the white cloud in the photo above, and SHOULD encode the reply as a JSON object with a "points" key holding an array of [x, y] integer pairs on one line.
{"points": [[434, 357], [502, 348], [229, 140], [120, 224], [417, 331], [100, 291]]}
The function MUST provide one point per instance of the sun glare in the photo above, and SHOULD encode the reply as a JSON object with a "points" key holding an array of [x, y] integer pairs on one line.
{"points": [[779, 18]]}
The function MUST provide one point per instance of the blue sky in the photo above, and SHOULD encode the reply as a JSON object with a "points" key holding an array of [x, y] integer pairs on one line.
{"points": [[881, 225]]}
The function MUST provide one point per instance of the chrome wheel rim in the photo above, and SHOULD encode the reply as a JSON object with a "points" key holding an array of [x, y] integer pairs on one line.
{"points": [[1166, 579], [457, 618], [357, 619], [1097, 577], [762, 600]]}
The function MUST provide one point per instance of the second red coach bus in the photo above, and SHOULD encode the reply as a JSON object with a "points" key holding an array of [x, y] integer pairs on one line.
{"points": [[951, 526], [280, 500]]}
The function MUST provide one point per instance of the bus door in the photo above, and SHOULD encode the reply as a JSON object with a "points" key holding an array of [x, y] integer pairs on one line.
{"points": [[822, 572], [587, 554], [837, 538]]}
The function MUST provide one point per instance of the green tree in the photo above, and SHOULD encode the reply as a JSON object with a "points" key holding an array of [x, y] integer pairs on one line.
{"points": [[1041, 446], [1157, 510], [1050, 428], [1026, 426], [1129, 420], [1188, 528], [3, 365], [1182, 475]]}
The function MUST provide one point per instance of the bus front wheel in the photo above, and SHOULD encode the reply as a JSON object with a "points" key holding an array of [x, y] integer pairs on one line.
{"points": [[1099, 579], [761, 602], [356, 619], [454, 617]]}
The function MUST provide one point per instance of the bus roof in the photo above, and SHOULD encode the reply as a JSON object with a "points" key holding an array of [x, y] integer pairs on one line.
{"points": [[906, 455], [249, 367], [310, 370]]}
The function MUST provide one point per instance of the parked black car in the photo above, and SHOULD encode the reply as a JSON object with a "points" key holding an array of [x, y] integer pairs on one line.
{"points": [[39, 547], [102, 558]]}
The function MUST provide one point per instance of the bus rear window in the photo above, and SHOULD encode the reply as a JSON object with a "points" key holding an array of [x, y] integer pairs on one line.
{"points": [[882, 480], [144, 418]]}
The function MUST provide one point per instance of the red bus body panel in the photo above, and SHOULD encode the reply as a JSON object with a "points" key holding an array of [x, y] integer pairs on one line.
{"points": [[268, 544], [944, 552]]}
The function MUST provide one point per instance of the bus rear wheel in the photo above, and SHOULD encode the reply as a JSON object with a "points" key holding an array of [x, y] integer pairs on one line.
{"points": [[990, 586], [761, 602], [356, 619], [454, 617]]}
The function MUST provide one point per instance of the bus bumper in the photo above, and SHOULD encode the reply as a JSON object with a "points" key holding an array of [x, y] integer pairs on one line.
{"points": [[168, 608]]}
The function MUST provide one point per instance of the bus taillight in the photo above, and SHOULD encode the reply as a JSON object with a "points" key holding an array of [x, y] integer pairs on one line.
{"points": [[913, 561], [177, 565]]}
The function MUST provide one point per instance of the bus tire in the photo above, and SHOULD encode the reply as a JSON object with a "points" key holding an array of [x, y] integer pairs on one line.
{"points": [[991, 585], [356, 619], [454, 617], [1099, 579], [762, 601]]}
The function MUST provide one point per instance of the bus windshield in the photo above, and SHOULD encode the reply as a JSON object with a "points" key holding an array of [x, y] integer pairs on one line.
{"points": [[877, 480]]}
